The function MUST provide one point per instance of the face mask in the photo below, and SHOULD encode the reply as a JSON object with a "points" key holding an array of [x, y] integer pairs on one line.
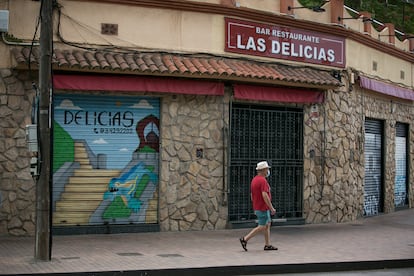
{"points": [[268, 173]]}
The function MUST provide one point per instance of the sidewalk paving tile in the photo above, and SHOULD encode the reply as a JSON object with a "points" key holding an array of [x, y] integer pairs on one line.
{"points": [[387, 239]]}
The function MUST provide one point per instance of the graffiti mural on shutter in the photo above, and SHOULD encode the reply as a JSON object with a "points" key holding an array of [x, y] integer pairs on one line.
{"points": [[400, 189], [105, 160], [373, 168]]}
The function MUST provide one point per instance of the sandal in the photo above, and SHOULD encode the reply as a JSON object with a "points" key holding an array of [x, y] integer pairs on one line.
{"points": [[270, 247], [243, 243]]}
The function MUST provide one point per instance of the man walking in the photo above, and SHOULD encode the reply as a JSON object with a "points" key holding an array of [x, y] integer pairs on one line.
{"points": [[262, 206]]}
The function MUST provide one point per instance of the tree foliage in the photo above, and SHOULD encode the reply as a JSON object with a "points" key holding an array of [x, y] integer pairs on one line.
{"points": [[398, 12]]}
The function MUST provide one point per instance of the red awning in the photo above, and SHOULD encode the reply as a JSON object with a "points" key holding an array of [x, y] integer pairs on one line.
{"points": [[386, 88], [277, 94], [136, 83]]}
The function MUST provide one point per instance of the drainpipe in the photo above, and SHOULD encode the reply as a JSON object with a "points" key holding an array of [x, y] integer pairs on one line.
{"points": [[225, 159], [323, 148], [226, 156]]}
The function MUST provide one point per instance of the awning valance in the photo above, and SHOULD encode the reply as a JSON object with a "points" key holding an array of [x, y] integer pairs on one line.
{"points": [[136, 83], [277, 94], [386, 88]]}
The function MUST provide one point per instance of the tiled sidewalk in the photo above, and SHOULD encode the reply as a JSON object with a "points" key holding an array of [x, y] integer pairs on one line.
{"points": [[376, 242]]}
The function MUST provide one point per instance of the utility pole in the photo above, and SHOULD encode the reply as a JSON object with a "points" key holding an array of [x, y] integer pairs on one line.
{"points": [[43, 246]]}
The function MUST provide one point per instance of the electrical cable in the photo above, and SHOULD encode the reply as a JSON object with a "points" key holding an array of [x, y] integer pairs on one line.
{"points": [[144, 50], [35, 104], [34, 37], [89, 29], [86, 46]]}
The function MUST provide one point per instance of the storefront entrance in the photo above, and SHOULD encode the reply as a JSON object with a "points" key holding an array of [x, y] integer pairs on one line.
{"points": [[267, 133], [401, 165], [105, 161], [373, 182]]}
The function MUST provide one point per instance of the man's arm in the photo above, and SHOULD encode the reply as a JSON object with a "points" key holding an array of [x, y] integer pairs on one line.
{"points": [[268, 202]]}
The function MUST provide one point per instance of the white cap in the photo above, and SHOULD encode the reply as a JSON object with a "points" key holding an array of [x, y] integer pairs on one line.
{"points": [[262, 165]]}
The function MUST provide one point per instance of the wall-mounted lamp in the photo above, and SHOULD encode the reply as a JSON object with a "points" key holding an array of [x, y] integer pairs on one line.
{"points": [[315, 9], [336, 75]]}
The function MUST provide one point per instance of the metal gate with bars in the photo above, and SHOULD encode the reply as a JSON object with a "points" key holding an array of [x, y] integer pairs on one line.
{"points": [[266, 133]]}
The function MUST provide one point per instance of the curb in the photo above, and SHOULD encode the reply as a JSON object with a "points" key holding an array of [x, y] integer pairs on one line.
{"points": [[252, 269]]}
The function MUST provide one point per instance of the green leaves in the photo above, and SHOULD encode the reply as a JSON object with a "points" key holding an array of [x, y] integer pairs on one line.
{"points": [[398, 12]]}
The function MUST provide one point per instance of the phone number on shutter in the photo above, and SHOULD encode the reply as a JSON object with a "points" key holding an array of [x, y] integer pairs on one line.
{"points": [[114, 130]]}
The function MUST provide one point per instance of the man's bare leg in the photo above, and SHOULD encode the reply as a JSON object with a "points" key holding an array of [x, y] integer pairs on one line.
{"points": [[254, 232], [267, 234]]}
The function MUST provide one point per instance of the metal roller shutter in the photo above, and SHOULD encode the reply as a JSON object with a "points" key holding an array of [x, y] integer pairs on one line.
{"points": [[105, 160], [401, 149], [373, 197]]}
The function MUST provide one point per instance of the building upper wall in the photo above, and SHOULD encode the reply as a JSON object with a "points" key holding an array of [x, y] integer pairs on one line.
{"points": [[376, 63], [143, 28], [23, 15], [153, 28]]}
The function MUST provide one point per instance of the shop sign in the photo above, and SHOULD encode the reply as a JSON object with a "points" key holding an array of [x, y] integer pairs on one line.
{"points": [[280, 42]]}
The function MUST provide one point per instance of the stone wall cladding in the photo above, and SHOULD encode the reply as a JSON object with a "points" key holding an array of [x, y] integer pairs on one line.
{"points": [[392, 111], [192, 192], [17, 188], [334, 168], [334, 174]]}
